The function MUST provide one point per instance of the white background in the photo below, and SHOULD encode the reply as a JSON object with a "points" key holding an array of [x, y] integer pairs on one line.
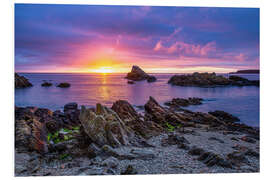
{"points": [[7, 83]]}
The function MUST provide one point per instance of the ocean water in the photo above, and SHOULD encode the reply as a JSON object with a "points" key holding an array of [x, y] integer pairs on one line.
{"points": [[89, 89]]}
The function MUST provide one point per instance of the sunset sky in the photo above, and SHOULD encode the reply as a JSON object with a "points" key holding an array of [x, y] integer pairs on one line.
{"points": [[84, 38]]}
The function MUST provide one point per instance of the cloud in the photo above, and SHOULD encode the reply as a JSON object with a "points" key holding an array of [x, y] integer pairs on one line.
{"points": [[186, 49]]}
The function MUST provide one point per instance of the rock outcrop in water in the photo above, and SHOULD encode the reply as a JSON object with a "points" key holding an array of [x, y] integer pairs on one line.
{"points": [[181, 102], [63, 85], [137, 74], [209, 80], [46, 84], [21, 82]]}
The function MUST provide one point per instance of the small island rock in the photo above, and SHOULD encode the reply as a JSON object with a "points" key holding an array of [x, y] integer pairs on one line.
{"points": [[137, 74], [63, 85], [46, 84]]}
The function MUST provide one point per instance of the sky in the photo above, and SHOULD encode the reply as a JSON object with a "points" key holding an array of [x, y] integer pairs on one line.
{"points": [[99, 39]]}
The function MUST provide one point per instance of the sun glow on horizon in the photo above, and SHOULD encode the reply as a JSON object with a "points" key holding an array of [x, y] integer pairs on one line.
{"points": [[103, 70]]}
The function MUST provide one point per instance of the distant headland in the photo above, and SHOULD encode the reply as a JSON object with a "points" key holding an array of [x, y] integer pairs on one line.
{"points": [[248, 71]]}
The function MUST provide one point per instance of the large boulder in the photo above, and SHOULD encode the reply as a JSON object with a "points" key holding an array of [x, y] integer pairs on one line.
{"points": [[137, 74], [135, 121], [104, 126], [21, 82]]}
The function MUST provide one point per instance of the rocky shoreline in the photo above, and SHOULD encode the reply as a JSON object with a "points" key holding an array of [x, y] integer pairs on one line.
{"points": [[119, 140]]}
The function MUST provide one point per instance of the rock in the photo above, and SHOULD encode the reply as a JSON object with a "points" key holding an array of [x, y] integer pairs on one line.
{"points": [[90, 171], [70, 106], [46, 84], [224, 116], [237, 157], [52, 125], [237, 78], [110, 162], [43, 114], [93, 150], [137, 74], [238, 127], [63, 85], [174, 139], [104, 127], [216, 139], [211, 159], [33, 166], [248, 139], [234, 139], [21, 82], [135, 121], [125, 111], [131, 82], [21, 159], [203, 118], [158, 114], [209, 80], [240, 81], [143, 154], [250, 152], [151, 79], [30, 133], [178, 102], [129, 170], [122, 155], [195, 151]]}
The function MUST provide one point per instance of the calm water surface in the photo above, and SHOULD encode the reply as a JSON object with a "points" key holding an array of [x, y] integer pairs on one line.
{"points": [[88, 89]]}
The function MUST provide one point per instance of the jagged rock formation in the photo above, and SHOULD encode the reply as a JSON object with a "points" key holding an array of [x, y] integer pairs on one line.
{"points": [[209, 80], [137, 74], [156, 113], [30, 133], [135, 121], [21, 82], [104, 126]]}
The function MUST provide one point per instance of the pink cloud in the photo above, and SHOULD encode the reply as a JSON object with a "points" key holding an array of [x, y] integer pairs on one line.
{"points": [[241, 57], [187, 49], [158, 46]]}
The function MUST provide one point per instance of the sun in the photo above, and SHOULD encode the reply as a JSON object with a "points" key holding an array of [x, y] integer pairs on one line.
{"points": [[103, 70]]}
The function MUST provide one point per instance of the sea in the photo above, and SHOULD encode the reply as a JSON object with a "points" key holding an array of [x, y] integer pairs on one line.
{"points": [[89, 89]]}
